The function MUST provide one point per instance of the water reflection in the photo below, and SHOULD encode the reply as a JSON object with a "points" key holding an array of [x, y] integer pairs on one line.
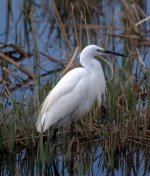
{"points": [[89, 162]]}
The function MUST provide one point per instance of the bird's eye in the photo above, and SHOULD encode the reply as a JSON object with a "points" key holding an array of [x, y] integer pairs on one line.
{"points": [[98, 50]]}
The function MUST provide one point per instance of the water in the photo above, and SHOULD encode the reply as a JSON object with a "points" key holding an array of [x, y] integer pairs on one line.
{"points": [[92, 162]]}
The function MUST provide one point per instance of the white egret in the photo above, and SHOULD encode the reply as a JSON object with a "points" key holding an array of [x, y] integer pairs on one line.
{"points": [[75, 93]]}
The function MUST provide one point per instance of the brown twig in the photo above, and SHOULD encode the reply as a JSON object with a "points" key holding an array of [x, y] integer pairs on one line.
{"points": [[70, 64], [53, 59], [9, 60], [60, 24]]}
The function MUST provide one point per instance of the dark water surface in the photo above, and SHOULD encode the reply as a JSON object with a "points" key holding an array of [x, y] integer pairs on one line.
{"points": [[135, 162]]}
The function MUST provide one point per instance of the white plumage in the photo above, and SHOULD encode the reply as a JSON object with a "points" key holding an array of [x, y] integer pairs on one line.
{"points": [[75, 93]]}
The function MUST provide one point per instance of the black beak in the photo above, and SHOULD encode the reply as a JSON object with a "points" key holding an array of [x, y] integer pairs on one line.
{"points": [[114, 53]]}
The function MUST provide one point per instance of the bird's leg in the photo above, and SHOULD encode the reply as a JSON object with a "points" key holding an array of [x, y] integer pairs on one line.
{"points": [[71, 168], [53, 141], [55, 168], [54, 135], [72, 130]]}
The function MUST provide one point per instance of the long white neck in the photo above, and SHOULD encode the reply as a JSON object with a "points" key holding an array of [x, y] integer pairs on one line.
{"points": [[96, 73], [89, 62]]}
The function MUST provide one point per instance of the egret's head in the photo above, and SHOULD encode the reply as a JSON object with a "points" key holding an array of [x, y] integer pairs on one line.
{"points": [[94, 50]]}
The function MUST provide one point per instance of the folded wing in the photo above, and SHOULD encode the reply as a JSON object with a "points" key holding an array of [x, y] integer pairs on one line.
{"points": [[64, 98]]}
